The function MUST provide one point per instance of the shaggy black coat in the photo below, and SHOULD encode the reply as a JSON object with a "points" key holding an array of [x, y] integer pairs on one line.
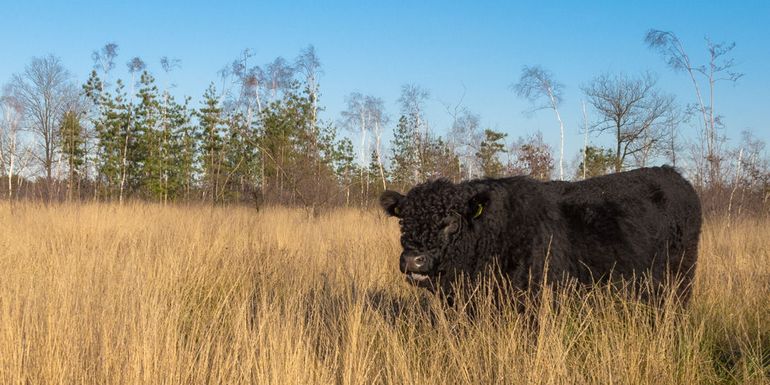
{"points": [[644, 222]]}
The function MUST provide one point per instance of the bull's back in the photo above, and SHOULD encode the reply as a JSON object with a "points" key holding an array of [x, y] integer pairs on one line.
{"points": [[631, 223]]}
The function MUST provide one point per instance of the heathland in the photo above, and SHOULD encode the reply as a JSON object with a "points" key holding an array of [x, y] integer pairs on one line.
{"points": [[147, 294]]}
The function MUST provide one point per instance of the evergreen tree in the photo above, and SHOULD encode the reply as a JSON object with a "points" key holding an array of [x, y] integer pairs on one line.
{"points": [[438, 160], [211, 139], [489, 151], [374, 174], [148, 149], [110, 120], [342, 156], [598, 161], [184, 158], [404, 159], [292, 144], [73, 149], [239, 161], [120, 137]]}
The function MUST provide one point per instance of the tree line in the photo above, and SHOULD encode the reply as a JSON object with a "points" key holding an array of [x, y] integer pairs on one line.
{"points": [[255, 135]]}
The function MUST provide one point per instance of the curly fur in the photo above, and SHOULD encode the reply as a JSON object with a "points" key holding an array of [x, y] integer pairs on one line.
{"points": [[627, 225]]}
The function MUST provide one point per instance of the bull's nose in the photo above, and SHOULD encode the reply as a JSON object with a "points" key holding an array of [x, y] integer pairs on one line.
{"points": [[413, 263]]}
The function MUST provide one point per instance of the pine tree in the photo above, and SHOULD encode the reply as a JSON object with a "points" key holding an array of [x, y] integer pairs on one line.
{"points": [[184, 157], [239, 159], [110, 120], [374, 171], [210, 137], [73, 149], [404, 158], [489, 152], [438, 160], [598, 161], [148, 149]]}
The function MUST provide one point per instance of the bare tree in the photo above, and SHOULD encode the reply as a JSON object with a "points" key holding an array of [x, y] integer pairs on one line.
{"points": [[412, 101], [279, 75], [250, 82], [104, 60], [532, 157], [168, 65], [355, 119], [632, 110], [309, 65], [719, 68], [44, 91], [752, 173], [135, 66], [465, 137], [375, 111], [536, 84], [672, 146], [466, 134]]}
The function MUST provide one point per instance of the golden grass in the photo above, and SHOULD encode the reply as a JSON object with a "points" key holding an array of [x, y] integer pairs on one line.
{"points": [[144, 294]]}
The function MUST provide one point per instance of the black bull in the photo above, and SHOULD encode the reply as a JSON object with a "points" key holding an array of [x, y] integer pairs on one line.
{"points": [[629, 225]]}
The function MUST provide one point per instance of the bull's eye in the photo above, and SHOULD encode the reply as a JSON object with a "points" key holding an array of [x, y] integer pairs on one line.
{"points": [[479, 210]]}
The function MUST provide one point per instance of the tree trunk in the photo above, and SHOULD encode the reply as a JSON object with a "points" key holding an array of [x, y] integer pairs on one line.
{"points": [[561, 133], [585, 139], [379, 159], [124, 166]]}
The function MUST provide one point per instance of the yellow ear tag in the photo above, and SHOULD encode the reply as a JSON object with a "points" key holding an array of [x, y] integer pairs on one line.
{"points": [[479, 210], [396, 210]]}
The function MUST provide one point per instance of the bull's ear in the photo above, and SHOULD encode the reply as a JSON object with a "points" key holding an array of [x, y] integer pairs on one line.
{"points": [[452, 224], [390, 200], [477, 205]]}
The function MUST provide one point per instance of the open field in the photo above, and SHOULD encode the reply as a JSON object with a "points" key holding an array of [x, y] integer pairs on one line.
{"points": [[145, 294]]}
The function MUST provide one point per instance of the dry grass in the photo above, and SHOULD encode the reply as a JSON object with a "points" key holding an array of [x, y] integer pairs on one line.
{"points": [[100, 294]]}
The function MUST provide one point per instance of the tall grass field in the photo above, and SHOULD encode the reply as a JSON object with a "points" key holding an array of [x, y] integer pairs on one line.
{"points": [[146, 294]]}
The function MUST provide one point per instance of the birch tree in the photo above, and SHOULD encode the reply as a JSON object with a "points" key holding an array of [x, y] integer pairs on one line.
{"points": [[252, 88], [536, 84], [104, 60], [309, 65], [375, 111], [279, 75], [719, 69], [355, 118], [12, 115], [466, 135]]}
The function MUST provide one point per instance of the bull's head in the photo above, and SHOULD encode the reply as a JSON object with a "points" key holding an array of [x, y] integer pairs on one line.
{"points": [[441, 225]]}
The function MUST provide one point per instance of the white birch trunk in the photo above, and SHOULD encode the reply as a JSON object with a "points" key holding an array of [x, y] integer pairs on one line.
{"points": [[561, 133], [585, 138]]}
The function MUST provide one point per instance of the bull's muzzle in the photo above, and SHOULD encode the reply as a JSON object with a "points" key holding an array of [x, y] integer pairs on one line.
{"points": [[416, 267], [411, 263]]}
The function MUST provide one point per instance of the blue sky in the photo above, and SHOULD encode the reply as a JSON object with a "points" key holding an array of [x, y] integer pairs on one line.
{"points": [[450, 48]]}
